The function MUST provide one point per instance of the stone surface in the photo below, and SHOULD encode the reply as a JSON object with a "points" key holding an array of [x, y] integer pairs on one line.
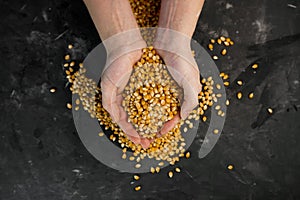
{"points": [[42, 157]]}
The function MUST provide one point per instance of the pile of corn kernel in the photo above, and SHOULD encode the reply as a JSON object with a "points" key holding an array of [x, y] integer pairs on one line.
{"points": [[167, 148], [151, 96]]}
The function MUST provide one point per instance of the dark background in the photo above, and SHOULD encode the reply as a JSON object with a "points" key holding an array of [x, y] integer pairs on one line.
{"points": [[42, 157]]}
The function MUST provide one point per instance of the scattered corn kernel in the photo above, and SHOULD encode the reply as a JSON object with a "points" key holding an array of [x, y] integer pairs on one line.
{"points": [[72, 64], [157, 169], [67, 57], [136, 177], [53, 89], [138, 188], [227, 102], [251, 95], [230, 167], [152, 170], [101, 134], [70, 46], [215, 57], [270, 110], [69, 105], [239, 95], [170, 174], [255, 66], [224, 52], [188, 154], [239, 82], [226, 83], [216, 131], [177, 169], [138, 165]]}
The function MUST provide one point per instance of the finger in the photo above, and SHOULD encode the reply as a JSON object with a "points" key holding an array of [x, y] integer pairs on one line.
{"points": [[127, 127], [190, 100], [145, 143], [169, 125], [109, 98]]}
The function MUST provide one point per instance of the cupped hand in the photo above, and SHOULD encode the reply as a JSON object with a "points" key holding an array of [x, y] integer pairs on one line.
{"points": [[113, 81], [177, 55]]}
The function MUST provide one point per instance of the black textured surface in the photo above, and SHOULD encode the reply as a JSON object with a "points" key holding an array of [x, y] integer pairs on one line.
{"points": [[41, 156]]}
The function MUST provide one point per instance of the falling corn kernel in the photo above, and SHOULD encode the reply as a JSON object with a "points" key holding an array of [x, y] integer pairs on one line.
{"points": [[239, 95], [222, 74], [138, 188], [239, 82], [136, 177], [218, 86], [77, 101], [222, 38], [212, 41], [219, 41], [70, 46], [255, 66], [251, 95], [53, 89], [77, 108], [161, 164], [210, 47], [101, 134], [66, 65], [69, 105], [72, 64], [231, 43], [124, 156], [170, 174], [177, 169], [224, 52], [204, 118], [230, 167], [67, 57], [185, 129], [216, 131], [270, 110], [188, 154], [215, 57]]}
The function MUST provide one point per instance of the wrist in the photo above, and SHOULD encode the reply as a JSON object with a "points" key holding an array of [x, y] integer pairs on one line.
{"points": [[124, 43], [171, 41]]}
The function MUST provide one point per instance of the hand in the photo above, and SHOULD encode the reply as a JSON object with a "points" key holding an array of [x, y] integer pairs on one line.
{"points": [[174, 48], [113, 81]]}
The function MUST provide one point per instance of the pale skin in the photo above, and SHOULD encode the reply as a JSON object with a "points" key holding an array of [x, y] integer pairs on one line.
{"points": [[115, 16]]}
